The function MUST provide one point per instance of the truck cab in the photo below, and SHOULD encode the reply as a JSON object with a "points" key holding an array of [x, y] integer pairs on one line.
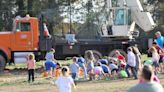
{"points": [[23, 37]]}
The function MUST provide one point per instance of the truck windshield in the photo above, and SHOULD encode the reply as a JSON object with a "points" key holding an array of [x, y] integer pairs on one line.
{"points": [[120, 17], [21, 26]]}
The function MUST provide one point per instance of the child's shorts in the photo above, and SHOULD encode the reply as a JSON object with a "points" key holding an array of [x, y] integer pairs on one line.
{"points": [[161, 59], [48, 68], [155, 64], [106, 71], [114, 70]]}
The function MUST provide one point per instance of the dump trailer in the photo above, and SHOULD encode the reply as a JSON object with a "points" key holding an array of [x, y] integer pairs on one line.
{"points": [[28, 35]]}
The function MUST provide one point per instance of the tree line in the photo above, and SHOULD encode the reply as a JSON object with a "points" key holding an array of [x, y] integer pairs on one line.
{"points": [[52, 11]]}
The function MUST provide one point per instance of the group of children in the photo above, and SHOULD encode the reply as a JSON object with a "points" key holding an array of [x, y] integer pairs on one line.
{"points": [[109, 68], [89, 67]]}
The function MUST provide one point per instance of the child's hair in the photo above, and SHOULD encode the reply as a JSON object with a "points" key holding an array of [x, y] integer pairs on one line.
{"points": [[111, 62], [58, 64], [52, 50], [31, 56], [65, 71], [129, 49], [154, 42], [74, 59], [117, 52], [152, 49], [98, 64], [135, 50], [89, 55]]}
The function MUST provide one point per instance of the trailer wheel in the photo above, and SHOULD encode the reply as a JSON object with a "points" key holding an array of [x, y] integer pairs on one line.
{"points": [[96, 54], [112, 54], [2, 63]]}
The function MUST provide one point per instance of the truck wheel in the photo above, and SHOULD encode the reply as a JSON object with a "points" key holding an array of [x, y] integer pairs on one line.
{"points": [[96, 54], [112, 54], [2, 63]]}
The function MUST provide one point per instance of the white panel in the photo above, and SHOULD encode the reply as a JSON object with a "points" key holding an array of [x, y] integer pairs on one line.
{"points": [[142, 19], [120, 30], [21, 57]]}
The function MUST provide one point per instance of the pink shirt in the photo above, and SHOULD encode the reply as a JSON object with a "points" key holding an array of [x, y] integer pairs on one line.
{"points": [[31, 64], [155, 79]]}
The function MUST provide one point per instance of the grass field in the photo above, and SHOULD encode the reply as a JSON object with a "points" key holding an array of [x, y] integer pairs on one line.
{"points": [[16, 81]]}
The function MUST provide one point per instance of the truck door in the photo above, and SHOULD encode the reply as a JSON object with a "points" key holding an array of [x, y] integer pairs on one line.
{"points": [[23, 36]]}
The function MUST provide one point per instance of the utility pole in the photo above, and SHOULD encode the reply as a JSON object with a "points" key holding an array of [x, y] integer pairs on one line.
{"points": [[70, 12]]}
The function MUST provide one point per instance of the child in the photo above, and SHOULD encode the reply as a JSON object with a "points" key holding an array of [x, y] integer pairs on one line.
{"points": [[138, 58], [122, 73], [155, 58], [114, 69], [74, 68], [98, 71], [65, 82], [31, 67], [50, 67], [103, 61], [90, 64], [81, 62], [121, 59], [58, 70], [106, 70]]}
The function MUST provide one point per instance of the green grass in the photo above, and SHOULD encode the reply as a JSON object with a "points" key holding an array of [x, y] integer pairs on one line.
{"points": [[68, 61], [17, 82], [144, 57], [38, 65]]}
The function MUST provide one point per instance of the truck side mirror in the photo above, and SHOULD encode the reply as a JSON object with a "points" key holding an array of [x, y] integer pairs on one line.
{"points": [[17, 30]]}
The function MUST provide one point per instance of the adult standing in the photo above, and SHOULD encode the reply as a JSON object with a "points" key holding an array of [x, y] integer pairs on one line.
{"points": [[131, 63], [147, 85], [160, 39]]}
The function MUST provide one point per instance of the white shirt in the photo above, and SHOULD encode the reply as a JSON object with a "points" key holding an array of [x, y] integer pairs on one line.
{"points": [[113, 66], [155, 57], [64, 84], [131, 59], [49, 56]]}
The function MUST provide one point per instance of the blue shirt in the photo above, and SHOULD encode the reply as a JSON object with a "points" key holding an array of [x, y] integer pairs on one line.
{"points": [[105, 68], [160, 41], [74, 68], [103, 61], [113, 66], [81, 60]]}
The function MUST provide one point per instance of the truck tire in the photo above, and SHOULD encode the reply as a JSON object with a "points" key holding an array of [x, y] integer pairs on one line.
{"points": [[112, 54], [96, 54], [2, 63]]}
